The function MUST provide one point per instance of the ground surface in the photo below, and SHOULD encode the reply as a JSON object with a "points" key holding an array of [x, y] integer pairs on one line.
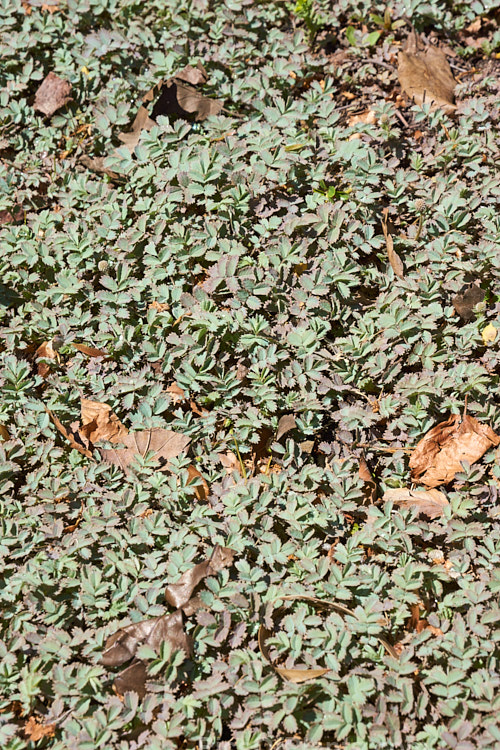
{"points": [[232, 272]]}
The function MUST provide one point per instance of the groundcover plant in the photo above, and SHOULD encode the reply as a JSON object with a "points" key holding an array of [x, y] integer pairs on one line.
{"points": [[249, 361]]}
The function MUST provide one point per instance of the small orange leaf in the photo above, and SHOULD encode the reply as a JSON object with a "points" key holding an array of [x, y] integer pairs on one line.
{"points": [[35, 730]]}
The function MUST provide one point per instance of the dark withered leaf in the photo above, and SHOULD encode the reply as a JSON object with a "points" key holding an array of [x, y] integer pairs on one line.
{"points": [[52, 94], [465, 301], [122, 645], [178, 594], [132, 679], [176, 96], [96, 164]]}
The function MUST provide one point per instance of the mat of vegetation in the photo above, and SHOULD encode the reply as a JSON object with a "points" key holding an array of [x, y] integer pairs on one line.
{"points": [[249, 312]]}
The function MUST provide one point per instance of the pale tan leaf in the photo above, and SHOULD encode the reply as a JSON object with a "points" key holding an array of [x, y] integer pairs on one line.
{"points": [[45, 351], [89, 351], [201, 489], [370, 488], [164, 444], [425, 75], [439, 455], [73, 438], [367, 117], [430, 503], [100, 423]]}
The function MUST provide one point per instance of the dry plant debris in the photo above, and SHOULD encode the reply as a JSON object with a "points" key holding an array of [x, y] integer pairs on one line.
{"points": [[52, 94], [441, 452], [425, 75]]}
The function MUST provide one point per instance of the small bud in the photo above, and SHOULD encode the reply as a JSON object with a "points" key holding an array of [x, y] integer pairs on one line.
{"points": [[103, 265], [420, 205]]}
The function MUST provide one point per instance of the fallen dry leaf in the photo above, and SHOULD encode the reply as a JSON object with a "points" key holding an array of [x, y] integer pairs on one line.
{"points": [[370, 488], [90, 351], [394, 259], [365, 118], [202, 490], [52, 94], [176, 96], [465, 301], [45, 351], [418, 624], [4, 433], [96, 164], [179, 594], [71, 436], [100, 423], [36, 730], [123, 645], [286, 423], [11, 216], [430, 503], [164, 444], [176, 393], [298, 675], [230, 462], [425, 75], [439, 455]]}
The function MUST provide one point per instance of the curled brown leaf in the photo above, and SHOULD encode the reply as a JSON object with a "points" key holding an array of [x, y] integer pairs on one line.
{"points": [[178, 594], [52, 94], [430, 503], [441, 452]]}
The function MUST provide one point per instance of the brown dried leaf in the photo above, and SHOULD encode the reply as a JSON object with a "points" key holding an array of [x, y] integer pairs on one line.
{"points": [[52, 94], [165, 444], [4, 433], [465, 301], [89, 351], [370, 488], [45, 351], [425, 75], [124, 644], [72, 437], [36, 731], [415, 623], [286, 423], [178, 594], [100, 423], [96, 164], [177, 96], [230, 462], [430, 503], [367, 117], [176, 393], [202, 490], [439, 455], [394, 259]]}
